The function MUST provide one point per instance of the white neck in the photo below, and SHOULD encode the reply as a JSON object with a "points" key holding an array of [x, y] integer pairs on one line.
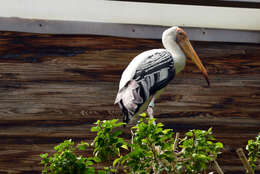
{"points": [[177, 54]]}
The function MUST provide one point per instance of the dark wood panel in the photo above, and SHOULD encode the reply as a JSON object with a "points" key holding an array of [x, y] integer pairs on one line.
{"points": [[53, 87], [217, 3]]}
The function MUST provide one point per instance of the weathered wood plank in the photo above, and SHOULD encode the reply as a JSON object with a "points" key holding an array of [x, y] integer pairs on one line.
{"points": [[53, 87]]}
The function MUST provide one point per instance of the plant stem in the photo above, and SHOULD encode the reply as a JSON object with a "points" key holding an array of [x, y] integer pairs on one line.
{"points": [[176, 141], [217, 167], [132, 139], [244, 160]]}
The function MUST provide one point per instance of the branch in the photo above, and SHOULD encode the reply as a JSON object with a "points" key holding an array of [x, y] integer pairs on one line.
{"points": [[176, 141], [217, 167], [132, 139], [183, 159], [244, 160]]}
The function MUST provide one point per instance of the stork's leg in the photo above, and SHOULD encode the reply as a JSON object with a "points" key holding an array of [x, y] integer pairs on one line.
{"points": [[150, 108]]}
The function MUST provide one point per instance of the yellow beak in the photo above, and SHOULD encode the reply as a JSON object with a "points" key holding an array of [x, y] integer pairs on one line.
{"points": [[190, 53]]}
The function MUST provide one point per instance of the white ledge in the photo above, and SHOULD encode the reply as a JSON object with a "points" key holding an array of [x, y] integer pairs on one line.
{"points": [[134, 13], [124, 30]]}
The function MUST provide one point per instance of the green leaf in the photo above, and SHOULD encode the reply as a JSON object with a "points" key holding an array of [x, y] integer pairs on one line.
{"points": [[119, 124], [94, 129], [83, 146], [96, 159], [89, 163], [90, 170], [219, 145], [125, 146], [97, 122], [116, 133], [210, 129], [160, 125], [102, 172], [190, 134], [166, 131], [45, 155], [209, 142], [116, 161], [143, 114], [145, 141]]}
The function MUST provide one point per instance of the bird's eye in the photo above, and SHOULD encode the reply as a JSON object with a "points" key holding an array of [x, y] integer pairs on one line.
{"points": [[182, 35]]}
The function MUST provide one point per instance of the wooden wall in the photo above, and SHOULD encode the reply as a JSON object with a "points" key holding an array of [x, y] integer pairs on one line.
{"points": [[53, 87]]}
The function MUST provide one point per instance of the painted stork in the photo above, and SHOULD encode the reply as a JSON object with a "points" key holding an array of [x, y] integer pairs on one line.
{"points": [[150, 72]]}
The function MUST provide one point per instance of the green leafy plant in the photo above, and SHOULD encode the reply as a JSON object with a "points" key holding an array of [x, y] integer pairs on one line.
{"points": [[65, 160], [107, 144], [152, 149], [198, 150], [253, 148]]}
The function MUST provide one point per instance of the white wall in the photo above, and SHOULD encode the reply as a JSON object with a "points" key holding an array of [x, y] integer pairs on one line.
{"points": [[133, 13]]}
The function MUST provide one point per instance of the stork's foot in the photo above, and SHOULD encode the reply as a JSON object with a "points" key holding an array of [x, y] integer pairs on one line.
{"points": [[150, 109], [150, 113]]}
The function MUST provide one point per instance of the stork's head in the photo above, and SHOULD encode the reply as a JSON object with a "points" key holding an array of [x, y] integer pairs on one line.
{"points": [[177, 36]]}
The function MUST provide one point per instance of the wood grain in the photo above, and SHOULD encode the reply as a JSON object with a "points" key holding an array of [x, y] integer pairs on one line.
{"points": [[53, 87]]}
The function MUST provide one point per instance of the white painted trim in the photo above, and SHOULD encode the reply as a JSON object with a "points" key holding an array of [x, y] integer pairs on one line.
{"points": [[124, 30], [134, 13]]}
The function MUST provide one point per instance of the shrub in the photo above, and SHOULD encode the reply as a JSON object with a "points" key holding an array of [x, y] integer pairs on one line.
{"points": [[198, 150], [153, 149], [253, 148], [65, 160], [107, 143]]}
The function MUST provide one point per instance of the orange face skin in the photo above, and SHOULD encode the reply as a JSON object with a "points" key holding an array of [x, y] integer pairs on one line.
{"points": [[181, 35], [185, 45]]}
